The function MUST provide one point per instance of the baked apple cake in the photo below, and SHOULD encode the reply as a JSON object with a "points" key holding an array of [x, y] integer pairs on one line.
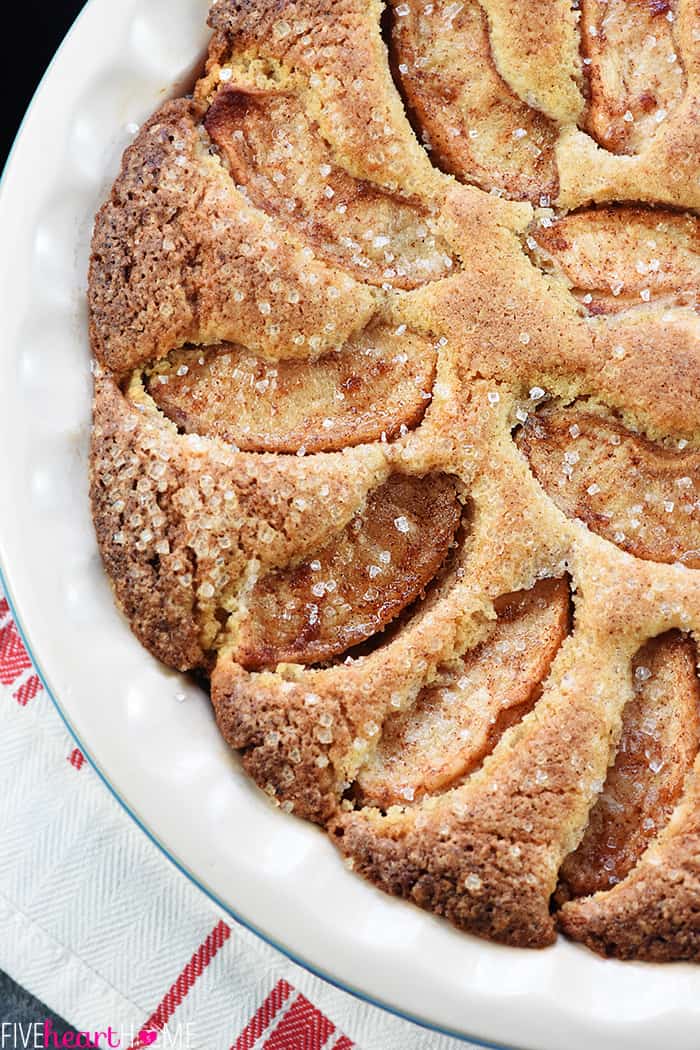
{"points": [[397, 441]]}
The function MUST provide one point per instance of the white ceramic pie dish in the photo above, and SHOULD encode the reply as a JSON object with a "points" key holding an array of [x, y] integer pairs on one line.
{"points": [[162, 758]]}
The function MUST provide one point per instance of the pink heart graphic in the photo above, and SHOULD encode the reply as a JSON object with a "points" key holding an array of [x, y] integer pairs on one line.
{"points": [[146, 1037]]}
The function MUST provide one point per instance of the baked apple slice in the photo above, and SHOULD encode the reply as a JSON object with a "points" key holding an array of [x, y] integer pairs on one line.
{"points": [[460, 718], [617, 258], [381, 562], [377, 384], [275, 149], [639, 494], [476, 127], [635, 74], [659, 743]]}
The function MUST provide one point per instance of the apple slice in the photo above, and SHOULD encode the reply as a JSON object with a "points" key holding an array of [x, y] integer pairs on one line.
{"points": [[616, 258], [354, 587], [275, 149], [637, 493], [659, 743], [476, 126], [635, 75], [378, 383], [460, 718]]}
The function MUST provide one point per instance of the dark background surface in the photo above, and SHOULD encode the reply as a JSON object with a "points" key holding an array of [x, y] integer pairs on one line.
{"points": [[18, 1007], [42, 25], [27, 51]]}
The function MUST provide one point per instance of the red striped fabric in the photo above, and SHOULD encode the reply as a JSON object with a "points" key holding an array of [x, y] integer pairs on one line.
{"points": [[76, 758], [13, 655], [344, 1043], [28, 690], [263, 1016], [4, 607], [303, 1027], [191, 973]]}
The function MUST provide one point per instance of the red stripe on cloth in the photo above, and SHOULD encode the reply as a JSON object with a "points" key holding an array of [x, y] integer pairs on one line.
{"points": [[28, 690], [191, 973], [76, 758], [344, 1043], [263, 1016], [13, 655], [303, 1027], [4, 607]]}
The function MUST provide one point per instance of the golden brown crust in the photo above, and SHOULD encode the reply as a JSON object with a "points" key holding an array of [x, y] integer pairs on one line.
{"points": [[319, 354], [149, 562]]}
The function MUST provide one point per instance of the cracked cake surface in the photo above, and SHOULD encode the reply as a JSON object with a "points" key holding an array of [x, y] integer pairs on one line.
{"points": [[396, 441]]}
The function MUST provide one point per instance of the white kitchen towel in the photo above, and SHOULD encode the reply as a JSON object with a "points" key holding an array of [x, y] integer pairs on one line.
{"points": [[103, 929]]}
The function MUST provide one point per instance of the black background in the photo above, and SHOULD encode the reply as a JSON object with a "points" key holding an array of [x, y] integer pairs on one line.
{"points": [[18, 1007], [27, 50]]}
